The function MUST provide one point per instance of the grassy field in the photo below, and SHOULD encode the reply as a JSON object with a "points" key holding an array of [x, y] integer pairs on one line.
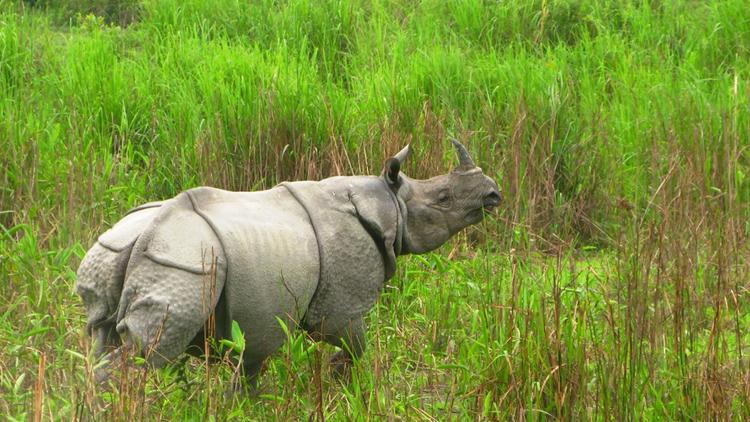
{"points": [[613, 284]]}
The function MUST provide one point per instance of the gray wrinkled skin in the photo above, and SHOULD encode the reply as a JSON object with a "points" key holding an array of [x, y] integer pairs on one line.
{"points": [[309, 254]]}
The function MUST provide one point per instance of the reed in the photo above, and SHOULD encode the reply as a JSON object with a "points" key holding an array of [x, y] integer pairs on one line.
{"points": [[612, 284]]}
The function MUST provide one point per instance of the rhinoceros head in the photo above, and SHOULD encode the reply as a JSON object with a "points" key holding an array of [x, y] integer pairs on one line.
{"points": [[439, 207]]}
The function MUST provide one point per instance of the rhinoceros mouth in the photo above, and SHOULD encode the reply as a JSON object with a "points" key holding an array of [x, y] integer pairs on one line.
{"points": [[491, 201], [475, 215], [489, 207]]}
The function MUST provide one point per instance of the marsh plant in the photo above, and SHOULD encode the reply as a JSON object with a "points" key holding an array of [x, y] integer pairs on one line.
{"points": [[612, 284]]}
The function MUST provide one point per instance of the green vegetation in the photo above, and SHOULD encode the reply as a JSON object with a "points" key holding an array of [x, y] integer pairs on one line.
{"points": [[613, 284]]}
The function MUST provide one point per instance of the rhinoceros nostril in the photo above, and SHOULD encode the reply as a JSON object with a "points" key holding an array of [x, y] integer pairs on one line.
{"points": [[491, 200]]}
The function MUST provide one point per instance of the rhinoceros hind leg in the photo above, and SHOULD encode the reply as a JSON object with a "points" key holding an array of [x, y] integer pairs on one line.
{"points": [[112, 362], [163, 309], [106, 338]]}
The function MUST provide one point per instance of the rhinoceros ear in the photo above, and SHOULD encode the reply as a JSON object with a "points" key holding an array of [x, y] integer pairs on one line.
{"points": [[390, 171], [393, 166]]}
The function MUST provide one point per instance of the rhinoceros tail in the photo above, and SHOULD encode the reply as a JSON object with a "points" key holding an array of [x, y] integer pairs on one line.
{"points": [[101, 274]]}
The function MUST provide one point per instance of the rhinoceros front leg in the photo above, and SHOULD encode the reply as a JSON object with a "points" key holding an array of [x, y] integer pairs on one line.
{"points": [[251, 371], [352, 340]]}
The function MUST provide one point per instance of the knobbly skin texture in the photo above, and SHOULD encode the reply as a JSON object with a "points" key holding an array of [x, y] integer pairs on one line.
{"points": [[310, 254]]}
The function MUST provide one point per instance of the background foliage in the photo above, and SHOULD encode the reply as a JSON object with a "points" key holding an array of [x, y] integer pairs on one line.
{"points": [[612, 284]]}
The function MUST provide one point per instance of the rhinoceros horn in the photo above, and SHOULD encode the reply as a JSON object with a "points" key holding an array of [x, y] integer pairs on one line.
{"points": [[465, 161]]}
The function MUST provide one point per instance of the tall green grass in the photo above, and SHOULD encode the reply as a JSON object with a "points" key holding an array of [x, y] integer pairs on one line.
{"points": [[611, 285]]}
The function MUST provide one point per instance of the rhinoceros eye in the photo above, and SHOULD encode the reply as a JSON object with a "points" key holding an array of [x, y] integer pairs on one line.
{"points": [[444, 199]]}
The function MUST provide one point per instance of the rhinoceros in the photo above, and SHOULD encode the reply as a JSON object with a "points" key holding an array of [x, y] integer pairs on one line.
{"points": [[309, 254]]}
